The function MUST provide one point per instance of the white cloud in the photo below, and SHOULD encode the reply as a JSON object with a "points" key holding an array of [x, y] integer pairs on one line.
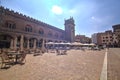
{"points": [[72, 11], [96, 19], [99, 22], [57, 10]]}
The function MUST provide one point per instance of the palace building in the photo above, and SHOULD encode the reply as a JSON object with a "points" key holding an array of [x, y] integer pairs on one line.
{"points": [[21, 31]]}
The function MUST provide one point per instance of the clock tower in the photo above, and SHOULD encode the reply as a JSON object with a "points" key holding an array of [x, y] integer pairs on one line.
{"points": [[69, 30]]}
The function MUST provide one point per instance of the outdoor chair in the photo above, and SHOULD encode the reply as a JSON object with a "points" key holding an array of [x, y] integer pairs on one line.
{"points": [[22, 57], [27, 51], [6, 60], [64, 52], [37, 52], [32, 51], [58, 52]]}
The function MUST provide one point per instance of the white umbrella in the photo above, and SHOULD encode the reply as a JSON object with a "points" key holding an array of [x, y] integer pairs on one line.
{"points": [[50, 43], [76, 44]]}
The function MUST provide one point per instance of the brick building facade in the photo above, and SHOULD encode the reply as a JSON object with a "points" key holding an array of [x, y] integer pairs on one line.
{"points": [[108, 38], [82, 39], [116, 32], [18, 30]]}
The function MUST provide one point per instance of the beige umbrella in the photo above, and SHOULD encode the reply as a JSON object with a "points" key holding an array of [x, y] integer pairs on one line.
{"points": [[89, 44], [50, 43], [76, 44]]}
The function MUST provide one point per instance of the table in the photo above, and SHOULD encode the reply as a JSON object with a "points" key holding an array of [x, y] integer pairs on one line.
{"points": [[16, 54]]}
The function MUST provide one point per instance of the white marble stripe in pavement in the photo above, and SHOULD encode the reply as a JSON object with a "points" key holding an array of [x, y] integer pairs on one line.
{"points": [[104, 68]]}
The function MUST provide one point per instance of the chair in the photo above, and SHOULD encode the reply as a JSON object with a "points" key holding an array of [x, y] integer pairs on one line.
{"points": [[6, 60], [64, 52], [58, 52], [22, 57]]}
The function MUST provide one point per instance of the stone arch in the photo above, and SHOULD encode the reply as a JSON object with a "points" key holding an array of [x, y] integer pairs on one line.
{"points": [[41, 31], [56, 35], [56, 41], [25, 41], [61, 36], [5, 40], [33, 42], [50, 40], [50, 34], [40, 43]]}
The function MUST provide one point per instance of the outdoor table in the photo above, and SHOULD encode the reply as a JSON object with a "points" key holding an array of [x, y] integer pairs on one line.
{"points": [[12, 51], [16, 54]]}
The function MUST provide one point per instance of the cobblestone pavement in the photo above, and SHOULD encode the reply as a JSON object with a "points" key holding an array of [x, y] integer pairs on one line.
{"points": [[113, 72], [76, 65]]}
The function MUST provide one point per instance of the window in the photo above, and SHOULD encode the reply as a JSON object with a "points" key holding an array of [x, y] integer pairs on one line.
{"points": [[56, 35], [111, 40], [110, 36], [106, 37], [50, 34], [41, 31], [28, 28], [10, 25], [62, 36]]}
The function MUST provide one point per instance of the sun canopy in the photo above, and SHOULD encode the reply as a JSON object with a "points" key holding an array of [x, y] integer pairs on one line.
{"points": [[76, 44], [72, 44], [56, 43], [91, 44]]}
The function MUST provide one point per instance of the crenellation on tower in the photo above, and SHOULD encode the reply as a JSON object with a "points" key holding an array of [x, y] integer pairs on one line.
{"points": [[70, 21]]}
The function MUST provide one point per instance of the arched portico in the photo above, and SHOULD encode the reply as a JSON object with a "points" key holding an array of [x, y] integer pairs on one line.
{"points": [[5, 40]]}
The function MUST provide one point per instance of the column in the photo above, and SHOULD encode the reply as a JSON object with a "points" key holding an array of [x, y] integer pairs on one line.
{"points": [[15, 43], [34, 44], [43, 44], [28, 44], [21, 43], [11, 44]]}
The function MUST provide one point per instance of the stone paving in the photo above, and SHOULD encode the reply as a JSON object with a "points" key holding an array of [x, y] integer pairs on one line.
{"points": [[76, 65], [113, 72]]}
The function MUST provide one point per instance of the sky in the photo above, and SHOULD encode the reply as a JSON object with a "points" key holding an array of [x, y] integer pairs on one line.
{"points": [[91, 16]]}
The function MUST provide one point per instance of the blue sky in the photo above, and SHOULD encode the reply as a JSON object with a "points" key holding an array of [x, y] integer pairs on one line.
{"points": [[91, 16]]}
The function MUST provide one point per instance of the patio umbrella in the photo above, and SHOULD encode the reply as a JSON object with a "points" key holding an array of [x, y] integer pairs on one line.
{"points": [[76, 44]]}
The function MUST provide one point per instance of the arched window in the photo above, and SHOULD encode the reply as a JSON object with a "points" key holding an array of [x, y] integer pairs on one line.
{"points": [[41, 31], [28, 28], [50, 34], [56, 35], [10, 25], [62, 37]]}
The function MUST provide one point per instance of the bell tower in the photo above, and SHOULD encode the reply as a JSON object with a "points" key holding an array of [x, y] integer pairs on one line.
{"points": [[69, 29]]}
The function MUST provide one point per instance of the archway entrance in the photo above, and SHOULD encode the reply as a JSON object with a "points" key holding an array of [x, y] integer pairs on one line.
{"points": [[5, 41], [40, 43]]}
